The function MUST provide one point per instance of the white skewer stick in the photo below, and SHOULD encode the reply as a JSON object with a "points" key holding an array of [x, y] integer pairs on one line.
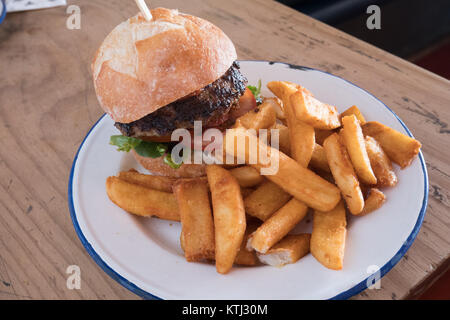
{"points": [[144, 9]]}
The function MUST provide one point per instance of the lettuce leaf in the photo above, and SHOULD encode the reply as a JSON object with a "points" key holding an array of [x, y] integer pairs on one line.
{"points": [[169, 161], [256, 91], [124, 143], [143, 148]]}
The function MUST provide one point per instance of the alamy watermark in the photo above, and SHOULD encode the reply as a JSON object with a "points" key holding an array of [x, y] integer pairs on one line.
{"points": [[374, 20], [374, 280], [74, 278], [73, 22]]}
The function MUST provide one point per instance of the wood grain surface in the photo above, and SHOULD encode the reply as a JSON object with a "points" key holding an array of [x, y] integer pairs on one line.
{"points": [[48, 104]]}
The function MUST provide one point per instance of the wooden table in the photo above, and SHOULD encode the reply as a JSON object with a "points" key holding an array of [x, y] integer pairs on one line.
{"points": [[47, 105]]}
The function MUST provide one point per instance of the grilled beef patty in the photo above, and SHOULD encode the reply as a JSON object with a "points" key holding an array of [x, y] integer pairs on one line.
{"points": [[210, 105]]}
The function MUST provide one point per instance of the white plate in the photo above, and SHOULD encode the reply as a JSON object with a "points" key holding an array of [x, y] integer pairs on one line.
{"points": [[144, 255]]}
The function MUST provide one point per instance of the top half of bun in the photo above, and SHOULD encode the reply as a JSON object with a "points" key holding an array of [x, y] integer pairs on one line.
{"points": [[142, 65]]}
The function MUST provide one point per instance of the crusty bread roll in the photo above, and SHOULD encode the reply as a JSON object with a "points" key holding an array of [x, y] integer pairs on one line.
{"points": [[142, 65], [158, 167]]}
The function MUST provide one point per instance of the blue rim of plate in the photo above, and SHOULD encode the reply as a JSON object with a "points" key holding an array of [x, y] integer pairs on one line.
{"points": [[343, 295], [3, 13]]}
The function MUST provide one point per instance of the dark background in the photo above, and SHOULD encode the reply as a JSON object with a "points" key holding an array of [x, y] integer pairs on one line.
{"points": [[416, 30]]}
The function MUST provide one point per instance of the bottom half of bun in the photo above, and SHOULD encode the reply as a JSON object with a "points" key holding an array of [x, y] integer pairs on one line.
{"points": [[158, 167]]}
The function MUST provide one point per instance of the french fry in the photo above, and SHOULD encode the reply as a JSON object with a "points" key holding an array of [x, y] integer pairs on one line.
{"points": [[314, 112], [284, 140], [340, 132], [328, 176], [328, 237], [229, 216], [278, 225], [319, 159], [301, 135], [240, 142], [262, 117], [196, 218], [302, 139], [227, 165], [399, 147], [321, 135], [365, 190], [142, 201], [182, 240], [343, 173], [355, 111], [294, 179], [381, 164], [280, 88], [247, 257], [374, 201], [246, 191], [356, 147], [247, 176], [277, 106], [289, 250], [160, 183], [265, 200]]}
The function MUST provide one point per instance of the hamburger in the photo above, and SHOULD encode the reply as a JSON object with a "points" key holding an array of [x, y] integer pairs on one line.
{"points": [[153, 77]]}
